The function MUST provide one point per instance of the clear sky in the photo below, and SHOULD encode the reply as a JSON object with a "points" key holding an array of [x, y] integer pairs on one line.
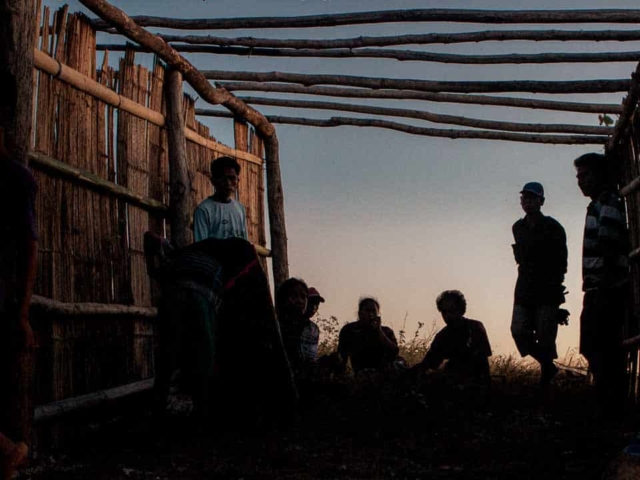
{"points": [[401, 217]]}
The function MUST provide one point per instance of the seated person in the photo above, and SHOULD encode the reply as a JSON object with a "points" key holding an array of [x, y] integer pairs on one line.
{"points": [[463, 342], [221, 215], [299, 334], [314, 299], [366, 342], [215, 292]]}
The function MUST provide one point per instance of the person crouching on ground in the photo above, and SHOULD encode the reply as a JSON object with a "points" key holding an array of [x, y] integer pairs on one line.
{"points": [[367, 343], [299, 334], [463, 342]]}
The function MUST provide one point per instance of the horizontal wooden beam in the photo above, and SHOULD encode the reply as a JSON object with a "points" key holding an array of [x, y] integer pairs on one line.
{"points": [[401, 55], [43, 162], [94, 182], [533, 86], [432, 132], [390, 16], [415, 39], [48, 306], [85, 84], [62, 408], [597, 108], [427, 116], [633, 186]]}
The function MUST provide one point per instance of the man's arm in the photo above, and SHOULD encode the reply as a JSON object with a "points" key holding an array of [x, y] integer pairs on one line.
{"points": [[388, 341], [610, 233], [200, 225], [434, 356]]}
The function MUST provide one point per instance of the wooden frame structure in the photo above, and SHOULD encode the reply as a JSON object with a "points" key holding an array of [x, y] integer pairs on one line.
{"points": [[167, 48], [453, 92]]}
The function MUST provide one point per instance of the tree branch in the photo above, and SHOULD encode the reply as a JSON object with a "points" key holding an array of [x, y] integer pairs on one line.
{"points": [[391, 16], [402, 55], [580, 86], [430, 117], [597, 108], [420, 39], [432, 132]]}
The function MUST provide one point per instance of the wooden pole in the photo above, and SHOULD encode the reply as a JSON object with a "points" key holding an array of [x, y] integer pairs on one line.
{"points": [[533, 86], [17, 39], [401, 55], [428, 116], [89, 401], [180, 208], [433, 132], [44, 62], [46, 306], [56, 168], [390, 16], [419, 39], [127, 27], [597, 108]]}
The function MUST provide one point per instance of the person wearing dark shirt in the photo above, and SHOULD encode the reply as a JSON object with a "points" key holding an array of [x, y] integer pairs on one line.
{"points": [[605, 280], [540, 250], [366, 342], [462, 342], [299, 334], [18, 265]]}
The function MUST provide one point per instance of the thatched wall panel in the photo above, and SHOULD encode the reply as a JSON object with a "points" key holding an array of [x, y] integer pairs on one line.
{"points": [[90, 243]]}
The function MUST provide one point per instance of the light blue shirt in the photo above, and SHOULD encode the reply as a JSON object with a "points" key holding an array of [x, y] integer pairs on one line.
{"points": [[219, 220]]}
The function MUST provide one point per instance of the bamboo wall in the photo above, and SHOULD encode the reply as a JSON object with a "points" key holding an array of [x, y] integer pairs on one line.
{"points": [[91, 244], [627, 154]]}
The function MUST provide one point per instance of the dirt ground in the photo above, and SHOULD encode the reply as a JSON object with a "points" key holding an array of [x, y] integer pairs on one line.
{"points": [[395, 429]]}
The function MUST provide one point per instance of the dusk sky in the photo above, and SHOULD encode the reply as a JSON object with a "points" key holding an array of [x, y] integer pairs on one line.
{"points": [[403, 217]]}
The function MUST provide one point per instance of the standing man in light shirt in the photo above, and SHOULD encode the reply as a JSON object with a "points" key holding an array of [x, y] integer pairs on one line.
{"points": [[221, 215]]}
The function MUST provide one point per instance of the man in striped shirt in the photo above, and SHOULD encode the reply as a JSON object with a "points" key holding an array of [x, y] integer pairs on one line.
{"points": [[604, 279]]}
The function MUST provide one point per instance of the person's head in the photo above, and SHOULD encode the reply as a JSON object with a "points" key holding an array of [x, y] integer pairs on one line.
{"points": [[291, 297], [452, 306], [593, 173], [225, 173], [314, 299], [368, 310], [532, 198]]}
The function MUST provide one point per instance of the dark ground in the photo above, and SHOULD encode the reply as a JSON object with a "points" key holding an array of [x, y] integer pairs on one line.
{"points": [[364, 430]]}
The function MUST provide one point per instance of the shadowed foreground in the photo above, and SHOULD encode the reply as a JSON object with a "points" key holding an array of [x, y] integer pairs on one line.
{"points": [[363, 429]]}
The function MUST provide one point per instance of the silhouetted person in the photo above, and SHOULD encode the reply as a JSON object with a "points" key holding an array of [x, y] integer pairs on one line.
{"points": [[366, 342], [540, 250], [462, 342], [605, 276], [18, 264], [221, 215], [300, 335]]}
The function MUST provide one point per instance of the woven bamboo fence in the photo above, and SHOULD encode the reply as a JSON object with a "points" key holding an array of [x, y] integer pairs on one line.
{"points": [[90, 243], [624, 147]]}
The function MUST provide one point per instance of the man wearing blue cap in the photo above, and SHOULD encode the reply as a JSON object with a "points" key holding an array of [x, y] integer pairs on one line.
{"points": [[540, 250]]}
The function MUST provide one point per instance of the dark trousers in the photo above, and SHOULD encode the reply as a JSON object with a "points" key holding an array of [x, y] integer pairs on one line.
{"points": [[601, 335]]}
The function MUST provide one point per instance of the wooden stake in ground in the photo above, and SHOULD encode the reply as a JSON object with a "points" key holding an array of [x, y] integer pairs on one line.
{"points": [[179, 184]]}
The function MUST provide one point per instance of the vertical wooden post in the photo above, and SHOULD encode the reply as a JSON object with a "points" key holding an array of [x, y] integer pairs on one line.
{"points": [[275, 199], [180, 208], [17, 40]]}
